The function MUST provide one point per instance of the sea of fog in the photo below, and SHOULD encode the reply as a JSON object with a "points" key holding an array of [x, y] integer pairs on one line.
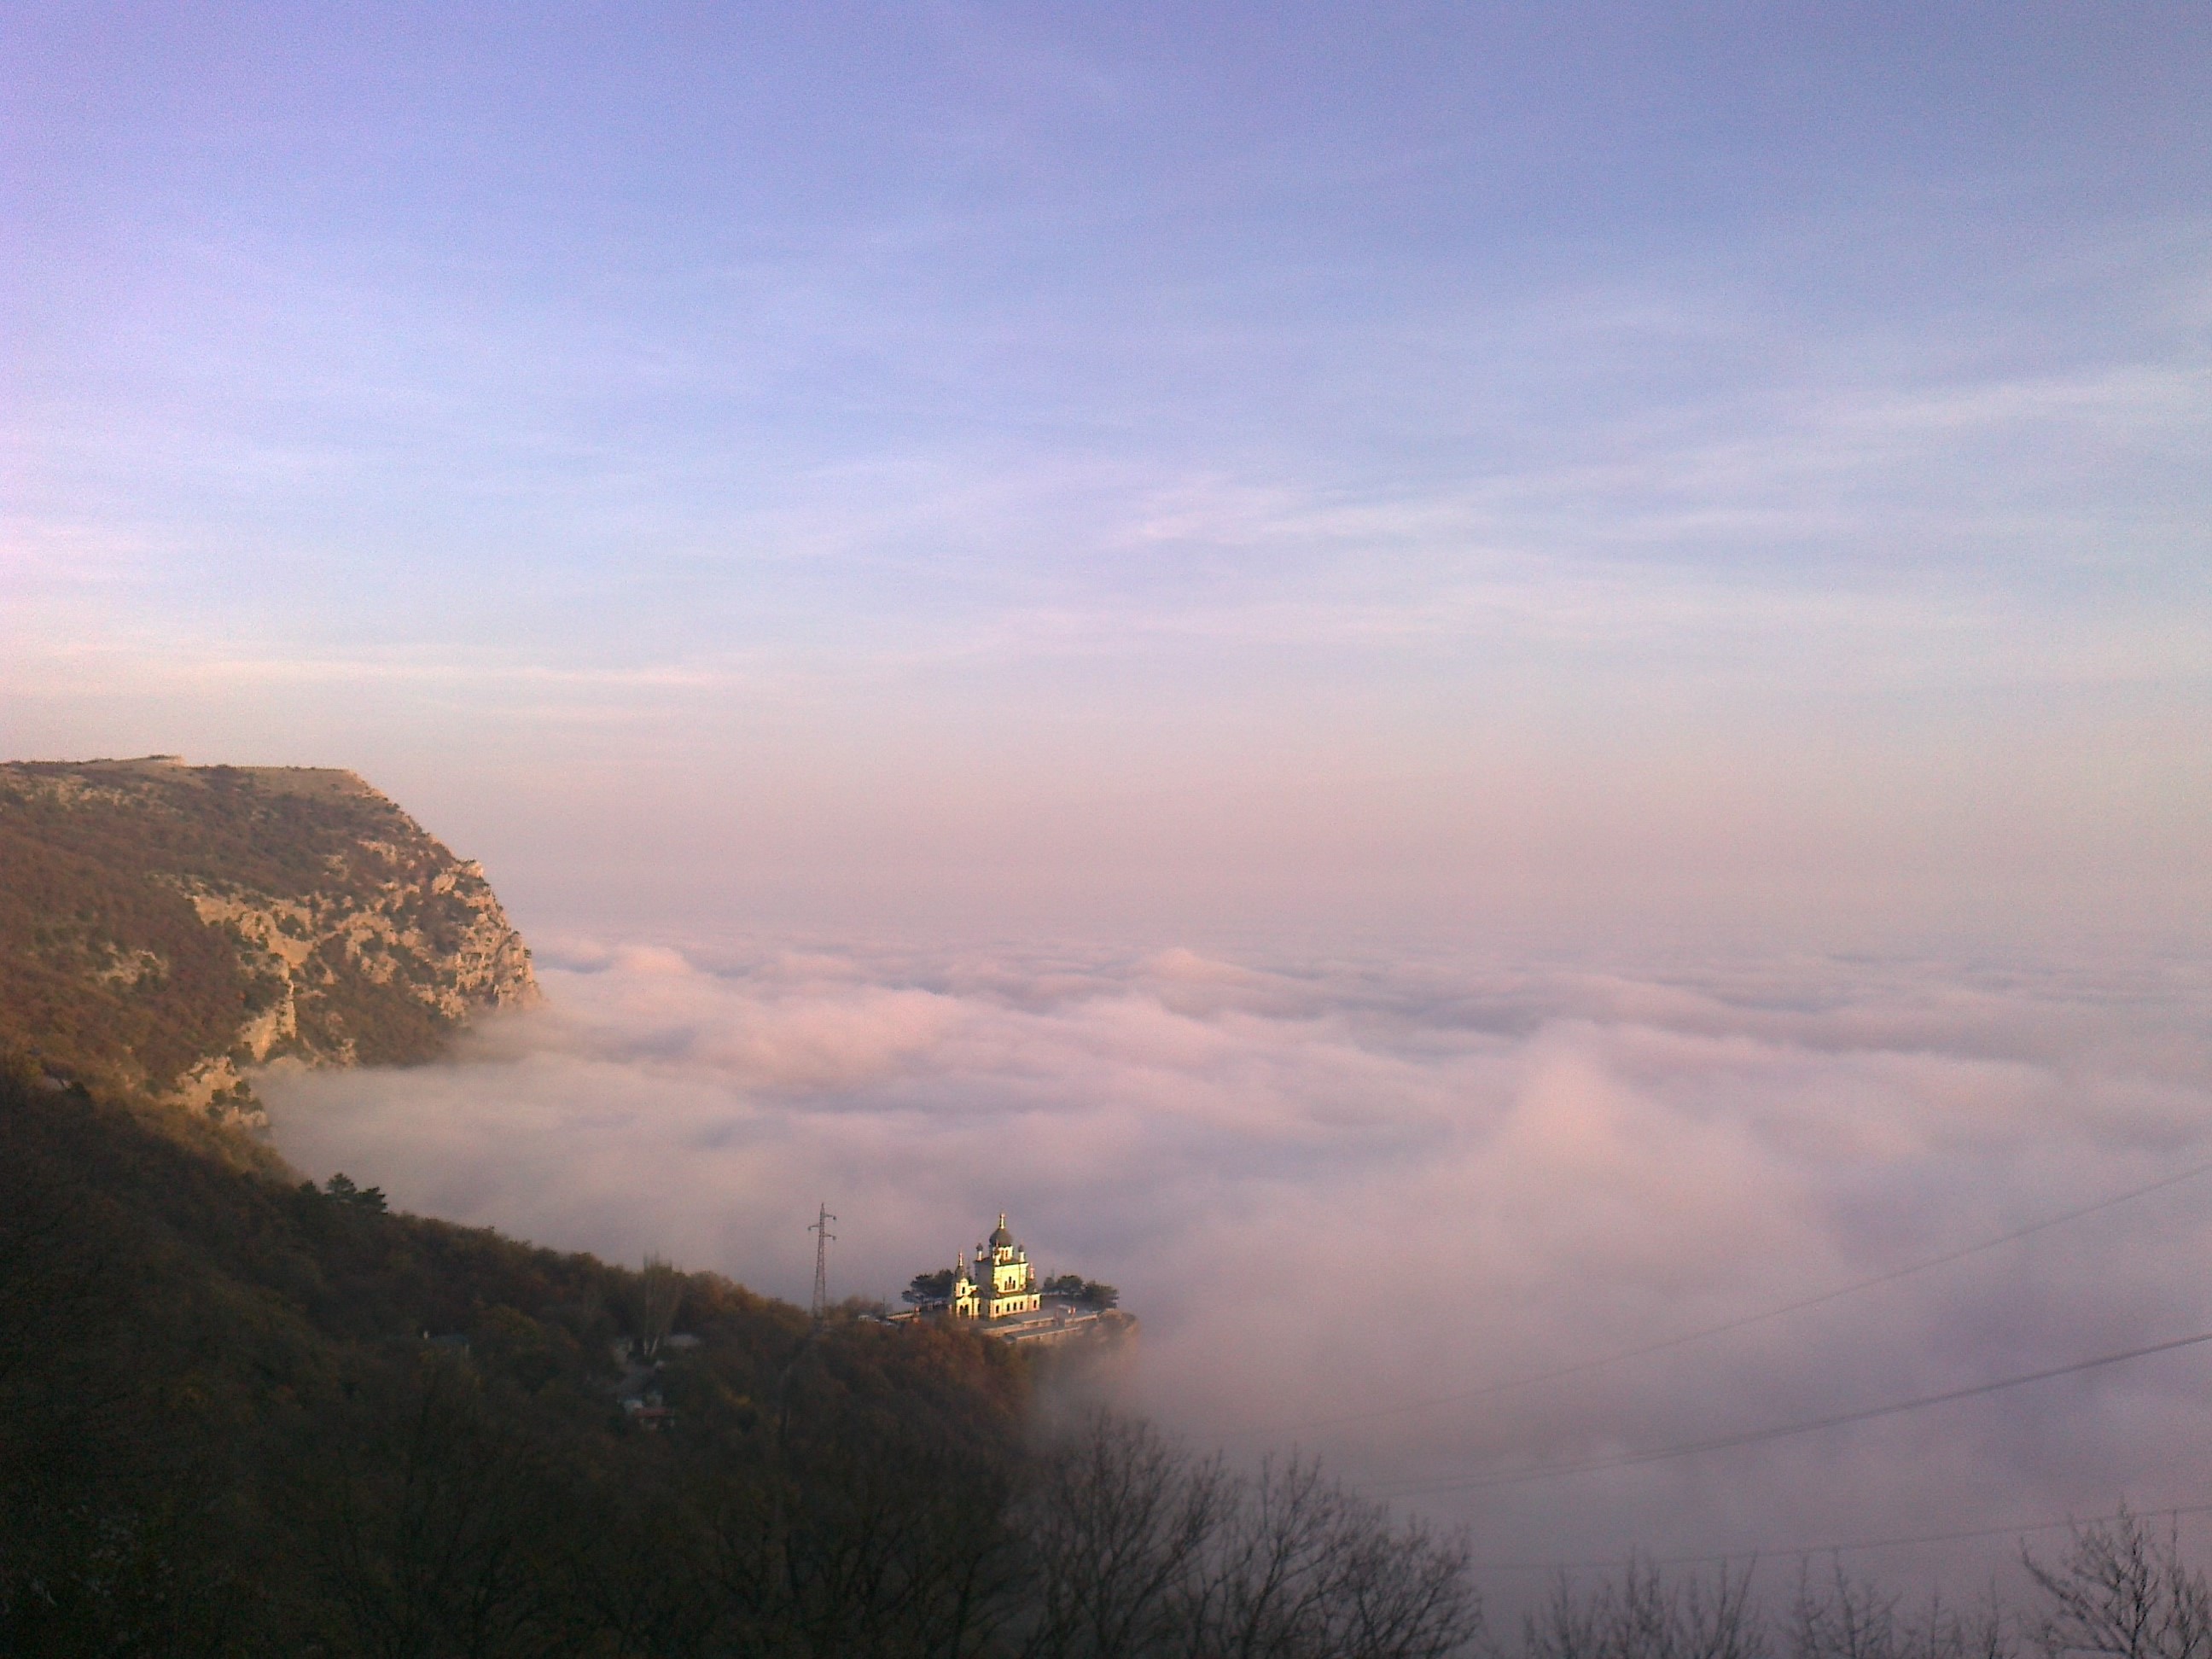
{"points": [[1357, 1203]]}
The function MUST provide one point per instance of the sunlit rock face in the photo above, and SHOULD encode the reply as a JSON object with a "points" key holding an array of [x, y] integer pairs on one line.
{"points": [[164, 927]]}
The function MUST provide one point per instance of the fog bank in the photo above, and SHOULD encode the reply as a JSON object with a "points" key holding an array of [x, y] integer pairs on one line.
{"points": [[1334, 1191]]}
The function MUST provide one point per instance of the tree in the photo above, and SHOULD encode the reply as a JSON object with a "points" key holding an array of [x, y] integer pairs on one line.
{"points": [[2119, 1591], [428, 1514], [341, 1189], [1644, 1616], [1117, 1518], [1075, 1288], [929, 1287], [1852, 1618], [1142, 1548]]}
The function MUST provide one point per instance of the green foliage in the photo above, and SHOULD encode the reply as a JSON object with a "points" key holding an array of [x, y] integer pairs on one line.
{"points": [[929, 1287], [339, 1189], [1090, 1292]]}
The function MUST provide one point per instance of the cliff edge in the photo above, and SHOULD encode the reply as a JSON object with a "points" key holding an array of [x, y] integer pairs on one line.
{"points": [[165, 926]]}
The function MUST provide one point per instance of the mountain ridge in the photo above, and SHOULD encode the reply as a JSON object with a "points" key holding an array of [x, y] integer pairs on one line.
{"points": [[166, 928]]}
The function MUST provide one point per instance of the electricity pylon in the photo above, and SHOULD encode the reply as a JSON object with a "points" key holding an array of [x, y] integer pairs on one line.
{"points": [[822, 1237]]}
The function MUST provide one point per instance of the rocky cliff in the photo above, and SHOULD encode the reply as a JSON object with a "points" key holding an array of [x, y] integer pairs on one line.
{"points": [[164, 927]]}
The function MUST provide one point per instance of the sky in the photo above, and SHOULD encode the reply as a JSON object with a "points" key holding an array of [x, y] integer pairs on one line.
{"points": [[1524, 677], [1140, 469]]}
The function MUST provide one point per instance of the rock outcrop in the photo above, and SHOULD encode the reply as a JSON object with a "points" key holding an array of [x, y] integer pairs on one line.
{"points": [[164, 928]]}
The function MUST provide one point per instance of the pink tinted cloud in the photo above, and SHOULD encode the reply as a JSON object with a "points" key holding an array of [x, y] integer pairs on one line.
{"points": [[1334, 1194]]}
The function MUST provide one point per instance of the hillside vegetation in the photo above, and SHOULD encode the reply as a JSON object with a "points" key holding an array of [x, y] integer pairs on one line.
{"points": [[163, 927], [241, 1416]]}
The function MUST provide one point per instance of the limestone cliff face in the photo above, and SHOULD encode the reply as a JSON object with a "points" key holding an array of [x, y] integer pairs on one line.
{"points": [[164, 928]]}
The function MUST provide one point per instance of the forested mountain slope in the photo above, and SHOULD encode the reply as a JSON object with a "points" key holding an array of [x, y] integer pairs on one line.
{"points": [[163, 926], [243, 1416], [226, 1425]]}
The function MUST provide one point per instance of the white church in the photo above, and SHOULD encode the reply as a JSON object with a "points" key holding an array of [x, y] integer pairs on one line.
{"points": [[1003, 1283], [998, 1288]]}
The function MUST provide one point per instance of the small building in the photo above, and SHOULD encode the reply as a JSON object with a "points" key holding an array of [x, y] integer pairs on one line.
{"points": [[999, 1283], [998, 1288], [1004, 1284]]}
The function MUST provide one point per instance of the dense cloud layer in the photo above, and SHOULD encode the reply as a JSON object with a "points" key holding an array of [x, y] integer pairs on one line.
{"points": [[1336, 1192]]}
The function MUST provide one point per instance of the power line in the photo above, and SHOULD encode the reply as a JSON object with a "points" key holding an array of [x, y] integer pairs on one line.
{"points": [[1807, 1552], [1739, 1323], [1755, 1437]]}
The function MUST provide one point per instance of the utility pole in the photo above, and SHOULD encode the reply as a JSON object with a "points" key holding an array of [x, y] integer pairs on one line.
{"points": [[822, 1237]]}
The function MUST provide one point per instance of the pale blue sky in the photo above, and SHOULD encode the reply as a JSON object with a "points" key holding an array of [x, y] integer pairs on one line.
{"points": [[939, 460]]}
